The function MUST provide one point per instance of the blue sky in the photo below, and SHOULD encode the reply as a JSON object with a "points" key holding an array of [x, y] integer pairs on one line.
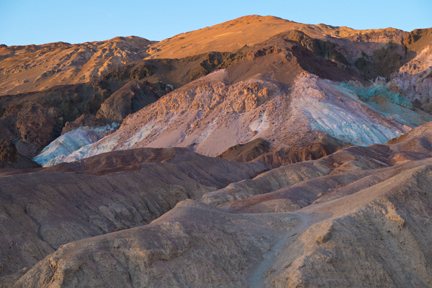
{"points": [[25, 22]]}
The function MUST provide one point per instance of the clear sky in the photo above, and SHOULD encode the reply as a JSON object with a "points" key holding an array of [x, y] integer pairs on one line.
{"points": [[25, 22]]}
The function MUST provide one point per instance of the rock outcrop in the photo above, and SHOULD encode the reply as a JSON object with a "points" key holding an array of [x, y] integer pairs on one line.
{"points": [[131, 98], [68, 143], [8, 151], [210, 116], [259, 150], [415, 77]]}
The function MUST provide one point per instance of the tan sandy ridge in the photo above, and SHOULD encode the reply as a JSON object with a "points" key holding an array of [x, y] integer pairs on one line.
{"points": [[39, 67]]}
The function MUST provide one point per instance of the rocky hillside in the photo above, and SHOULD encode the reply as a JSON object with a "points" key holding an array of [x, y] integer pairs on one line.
{"points": [[338, 54], [251, 30], [259, 152], [105, 99], [415, 77], [39, 67], [362, 209], [292, 91]]}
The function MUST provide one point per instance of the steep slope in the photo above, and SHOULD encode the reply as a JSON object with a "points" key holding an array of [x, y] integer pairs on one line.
{"points": [[415, 77], [291, 49], [213, 116], [364, 222], [33, 120], [45, 87], [281, 78], [39, 67], [117, 93], [71, 141]]}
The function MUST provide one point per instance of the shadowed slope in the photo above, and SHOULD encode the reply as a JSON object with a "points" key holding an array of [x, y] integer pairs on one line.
{"points": [[43, 209], [329, 178], [369, 228]]}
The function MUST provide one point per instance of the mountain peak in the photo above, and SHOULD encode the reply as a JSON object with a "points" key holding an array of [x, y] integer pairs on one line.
{"points": [[248, 30]]}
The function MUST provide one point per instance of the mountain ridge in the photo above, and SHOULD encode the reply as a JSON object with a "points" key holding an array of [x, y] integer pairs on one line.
{"points": [[298, 157], [63, 63], [172, 47]]}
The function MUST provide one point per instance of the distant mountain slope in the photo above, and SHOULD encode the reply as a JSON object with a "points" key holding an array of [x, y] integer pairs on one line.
{"points": [[352, 54], [288, 90], [251, 30], [39, 67]]}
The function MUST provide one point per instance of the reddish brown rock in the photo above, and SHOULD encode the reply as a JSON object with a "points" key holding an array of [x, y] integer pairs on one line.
{"points": [[84, 120], [38, 129], [246, 152], [129, 99], [7, 151]]}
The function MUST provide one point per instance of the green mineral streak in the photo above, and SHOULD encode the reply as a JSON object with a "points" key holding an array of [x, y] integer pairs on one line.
{"points": [[366, 93]]}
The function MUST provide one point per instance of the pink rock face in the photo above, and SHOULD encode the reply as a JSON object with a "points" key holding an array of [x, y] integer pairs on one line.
{"points": [[209, 117], [415, 78]]}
